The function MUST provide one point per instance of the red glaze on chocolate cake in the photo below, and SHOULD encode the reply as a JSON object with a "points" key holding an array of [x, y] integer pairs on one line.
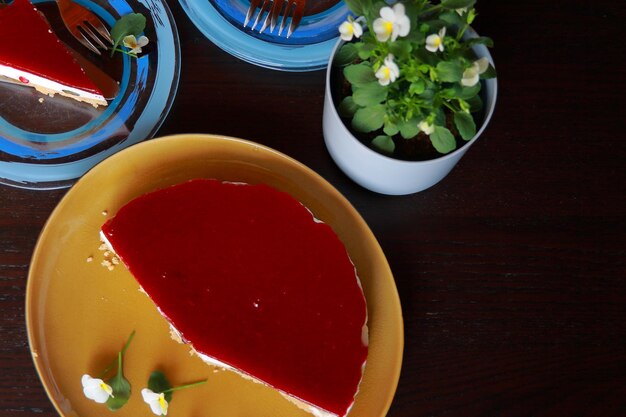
{"points": [[31, 54], [251, 279]]}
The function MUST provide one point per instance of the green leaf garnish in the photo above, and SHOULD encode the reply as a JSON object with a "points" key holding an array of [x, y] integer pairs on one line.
{"points": [[130, 24], [159, 383], [120, 386]]}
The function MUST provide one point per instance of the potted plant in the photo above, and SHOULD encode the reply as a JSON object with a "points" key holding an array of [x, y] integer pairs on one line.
{"points": [[410, 86]]}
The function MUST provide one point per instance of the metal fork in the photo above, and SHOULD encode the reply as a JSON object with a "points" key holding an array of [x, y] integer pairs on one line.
{"points": [[85, 26], [273, 10]]}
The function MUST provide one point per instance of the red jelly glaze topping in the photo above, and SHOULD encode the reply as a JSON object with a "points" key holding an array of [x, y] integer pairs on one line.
{"points": [[29, 45], [248, 277]]}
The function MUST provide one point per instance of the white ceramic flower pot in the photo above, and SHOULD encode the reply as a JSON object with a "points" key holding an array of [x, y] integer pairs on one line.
{"points": [[381, 173]]}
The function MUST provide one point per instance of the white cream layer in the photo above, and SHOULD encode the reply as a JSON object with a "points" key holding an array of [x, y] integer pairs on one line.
{"points": [[47, 86]]}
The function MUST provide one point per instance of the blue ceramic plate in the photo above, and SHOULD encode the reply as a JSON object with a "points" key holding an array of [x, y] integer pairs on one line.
{"points": [[49, 142], [307, 49]]}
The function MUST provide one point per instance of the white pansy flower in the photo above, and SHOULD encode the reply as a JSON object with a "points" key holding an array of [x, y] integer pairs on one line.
{"points": [[388, 72], [96, 389], [156, 401], [426, 127], [135, 44], [393, 22], [434, 42], [472, 74], [350, 29]]}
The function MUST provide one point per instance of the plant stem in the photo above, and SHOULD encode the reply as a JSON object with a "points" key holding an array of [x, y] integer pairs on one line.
{"points": [[108, 368], [193, 384], [432, 9], [125, 52]]}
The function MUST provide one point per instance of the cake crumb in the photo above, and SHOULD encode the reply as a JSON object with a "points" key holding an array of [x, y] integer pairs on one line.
{"points": [[40, 99], [106, 263], [105, 212], [90, 258], [102, 247]]}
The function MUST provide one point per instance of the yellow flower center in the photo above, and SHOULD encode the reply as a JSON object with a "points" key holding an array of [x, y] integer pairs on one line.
{"points": [[106, 388], [163, 403], [388, 27], [437, 42]]}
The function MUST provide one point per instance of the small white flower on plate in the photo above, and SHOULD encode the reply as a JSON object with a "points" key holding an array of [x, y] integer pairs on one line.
{"points": [[393, 22], [434, 42], [96, 389], [388, 72], [472, 74], [135, 44], [156, 401]]}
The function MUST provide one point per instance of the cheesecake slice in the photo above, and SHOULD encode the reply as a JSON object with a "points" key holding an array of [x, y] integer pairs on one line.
{"points": [[32, 55], [248, 277]]}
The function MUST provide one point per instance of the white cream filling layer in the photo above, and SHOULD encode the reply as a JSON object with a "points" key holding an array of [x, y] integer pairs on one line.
{"points": [[47, 86]]}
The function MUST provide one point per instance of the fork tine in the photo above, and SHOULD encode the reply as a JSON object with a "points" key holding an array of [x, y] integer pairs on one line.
{"points": [[80, 37], [94, 39], [254, 4], [264, 7], [99, 27], [297, 17], [277, 6], [288, 7], [267, 19]]}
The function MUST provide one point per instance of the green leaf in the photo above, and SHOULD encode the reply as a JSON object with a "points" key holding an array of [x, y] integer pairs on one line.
{"points": [[417, 87], [452, 18], [409, 129], [369, 94], [359, 74], [368, 119], [443, 140], [480, 40], [120, 386], [457, 91], [364, 49], [390, 128], [384, 144], [457, 4], [158, 383], [475, 103], [347, 54], [347, 107], [401, 49], [450, 71], [130, 24], [490, 72], [355, 7], [464, 123]]}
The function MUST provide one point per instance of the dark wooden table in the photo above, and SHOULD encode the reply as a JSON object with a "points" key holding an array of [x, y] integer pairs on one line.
{"points": [[511, 271]]}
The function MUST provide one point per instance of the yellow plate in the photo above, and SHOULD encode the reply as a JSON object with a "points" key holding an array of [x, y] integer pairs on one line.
{"points": [[79, 313]]}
